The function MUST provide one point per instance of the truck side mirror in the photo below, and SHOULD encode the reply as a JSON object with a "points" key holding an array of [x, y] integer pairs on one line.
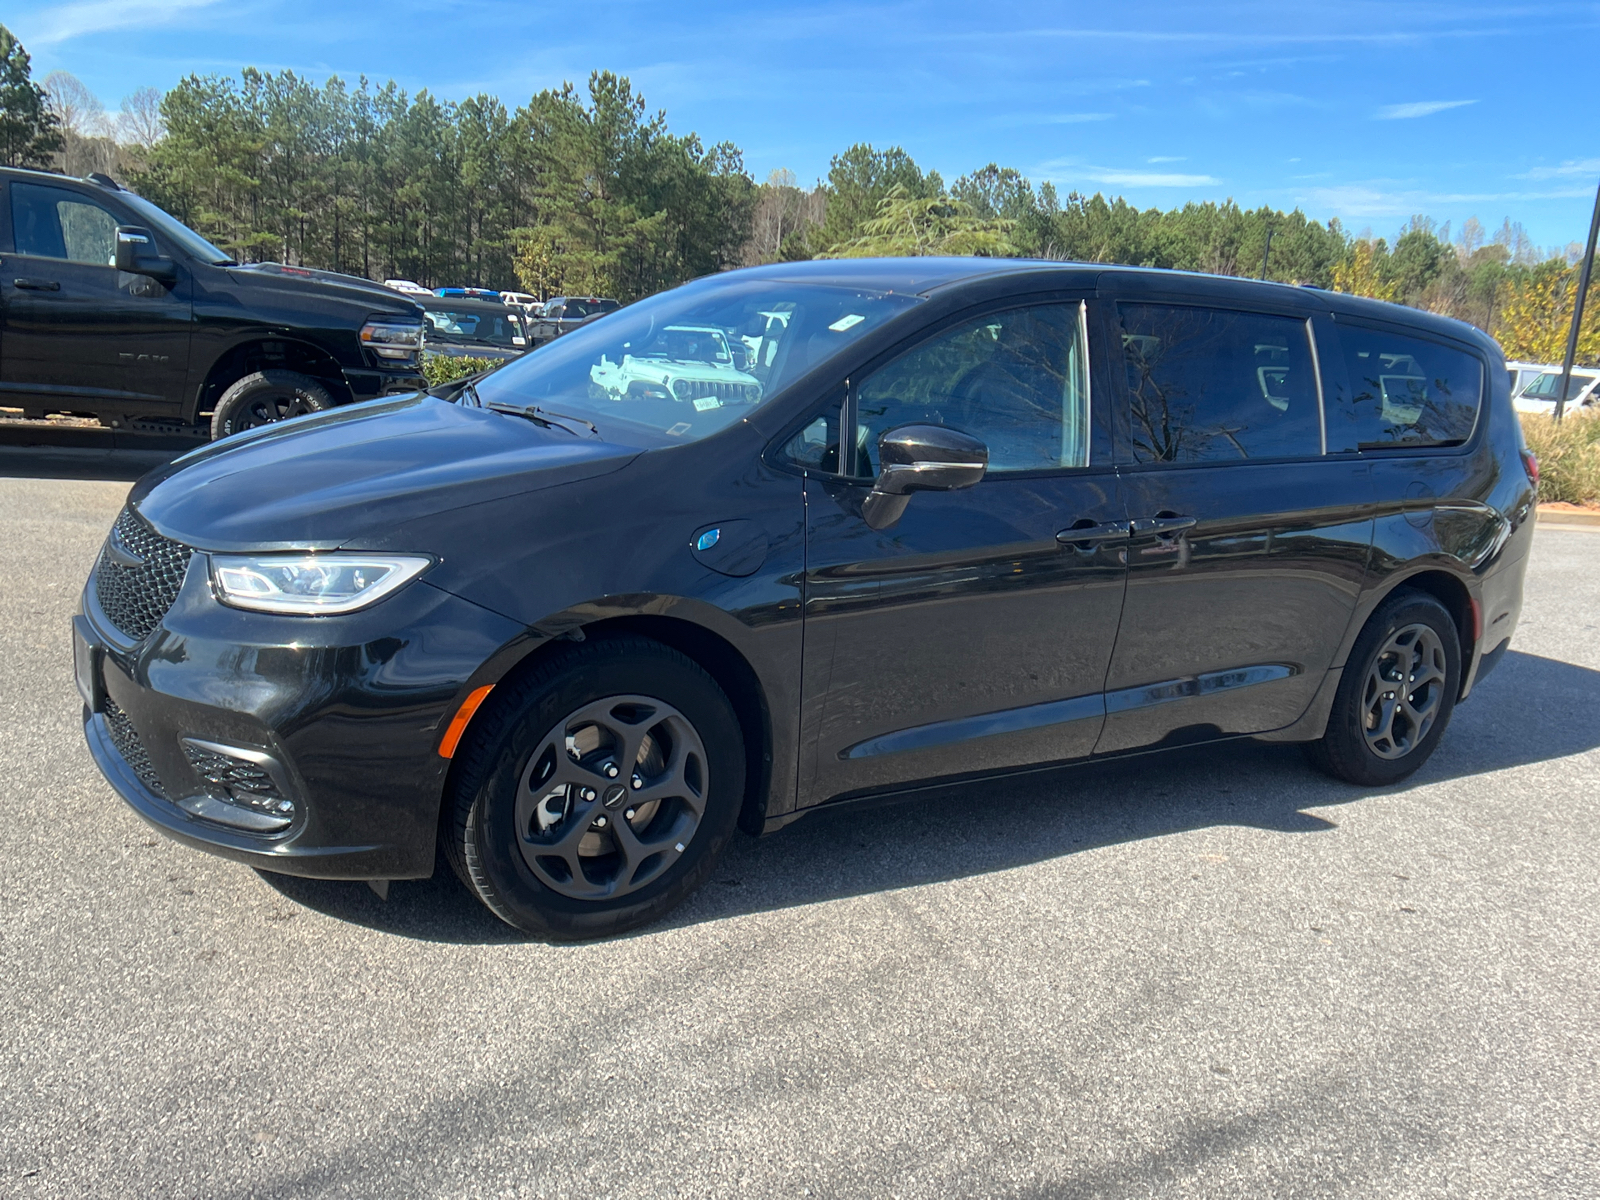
{"points": [[136, 254]]}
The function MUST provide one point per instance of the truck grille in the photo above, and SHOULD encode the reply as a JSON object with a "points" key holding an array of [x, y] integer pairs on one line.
{"points": [[135, 598], [126, 739]]}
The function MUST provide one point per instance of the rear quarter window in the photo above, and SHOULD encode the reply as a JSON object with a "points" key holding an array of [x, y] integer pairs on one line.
{"points": [[1402, 391]]}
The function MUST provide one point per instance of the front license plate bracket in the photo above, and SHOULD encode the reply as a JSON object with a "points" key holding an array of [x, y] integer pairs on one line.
{"points": [[86, 658]]}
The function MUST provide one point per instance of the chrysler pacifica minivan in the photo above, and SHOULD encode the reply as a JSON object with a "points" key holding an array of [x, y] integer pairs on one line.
{"points": [[964, 518]]}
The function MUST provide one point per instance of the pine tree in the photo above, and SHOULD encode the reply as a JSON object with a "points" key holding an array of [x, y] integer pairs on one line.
{"points": [[29, 131]]}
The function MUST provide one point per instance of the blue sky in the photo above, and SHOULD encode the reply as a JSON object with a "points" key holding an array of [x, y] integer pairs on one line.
{"points": [[1365, 111]]}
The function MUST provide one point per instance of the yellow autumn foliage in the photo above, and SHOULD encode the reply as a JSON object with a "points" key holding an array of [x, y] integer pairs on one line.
{"points": [[1358, 275], [1537, 316]]}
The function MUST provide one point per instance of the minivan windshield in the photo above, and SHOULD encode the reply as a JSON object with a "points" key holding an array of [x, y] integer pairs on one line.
{"points": [[166, 225], [686, 363]]}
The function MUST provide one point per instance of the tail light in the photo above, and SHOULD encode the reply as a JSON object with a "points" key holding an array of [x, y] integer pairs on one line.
{"points": [[1530, 464]]}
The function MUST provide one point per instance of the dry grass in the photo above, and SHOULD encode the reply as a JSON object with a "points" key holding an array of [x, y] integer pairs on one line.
{"points": [[1568, 454]]}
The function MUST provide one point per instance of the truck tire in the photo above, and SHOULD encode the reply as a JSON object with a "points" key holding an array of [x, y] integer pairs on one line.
{"points": [[265, 398]]}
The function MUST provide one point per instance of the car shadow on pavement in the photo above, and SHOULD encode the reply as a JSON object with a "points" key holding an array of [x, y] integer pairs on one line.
{"points": [[58, 462], [958, 831]]}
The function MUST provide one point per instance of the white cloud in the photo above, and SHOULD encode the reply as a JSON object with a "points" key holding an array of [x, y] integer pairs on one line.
{"points": [[1070, 172], [1165, 158], [1373, 199], [1151, 179], [1586, 168], [1419, 108], [70, 21], [1230, 39], [1027, 119]]}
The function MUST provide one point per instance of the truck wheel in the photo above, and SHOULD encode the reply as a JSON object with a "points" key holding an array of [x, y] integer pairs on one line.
{"points": [[1396, 694], [267, 397], [598, 791]]}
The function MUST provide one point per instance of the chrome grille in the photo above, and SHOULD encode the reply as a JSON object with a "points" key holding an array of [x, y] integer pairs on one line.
{"points": [[134, 598], [126, 739]]}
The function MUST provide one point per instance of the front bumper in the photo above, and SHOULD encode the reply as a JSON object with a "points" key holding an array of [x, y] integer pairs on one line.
{"points": [[345, 713], [368, 383]]}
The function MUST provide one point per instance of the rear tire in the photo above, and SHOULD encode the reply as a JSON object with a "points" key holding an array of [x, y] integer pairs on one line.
{"points": [[519, 830], [1396, 695], [266, 398]]}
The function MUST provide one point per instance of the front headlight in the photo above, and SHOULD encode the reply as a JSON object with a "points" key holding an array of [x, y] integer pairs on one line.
{"points": [[392, 337], [310, 584]]}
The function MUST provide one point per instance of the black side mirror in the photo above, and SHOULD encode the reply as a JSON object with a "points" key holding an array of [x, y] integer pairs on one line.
{"points": [[136, 254], [920, 458]]}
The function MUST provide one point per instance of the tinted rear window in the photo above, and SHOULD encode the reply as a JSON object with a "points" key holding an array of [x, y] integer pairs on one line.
{"points": [[1402, 391], [1207, 384]]}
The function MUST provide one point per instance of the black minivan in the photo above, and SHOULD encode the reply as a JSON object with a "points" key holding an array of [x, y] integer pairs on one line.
{"points": [[798, 535]]}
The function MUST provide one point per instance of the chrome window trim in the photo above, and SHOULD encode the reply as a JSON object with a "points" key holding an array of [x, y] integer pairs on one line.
{"points": [[1316, 369], [1088, 387]]}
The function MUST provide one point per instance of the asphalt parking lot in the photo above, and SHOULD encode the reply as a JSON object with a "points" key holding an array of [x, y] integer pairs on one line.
{"points": [[1212, 973]]}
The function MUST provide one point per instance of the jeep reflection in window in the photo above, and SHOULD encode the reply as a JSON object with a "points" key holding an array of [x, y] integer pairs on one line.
{"points": [[684, 364], [692, 363]]}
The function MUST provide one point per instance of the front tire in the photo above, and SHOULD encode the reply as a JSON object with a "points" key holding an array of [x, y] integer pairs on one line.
{"points": [[598, 792], [1396, 695], [266, 398]]}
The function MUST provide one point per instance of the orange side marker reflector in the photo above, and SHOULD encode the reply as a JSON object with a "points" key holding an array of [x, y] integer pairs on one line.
{"points": [[458, 723]]}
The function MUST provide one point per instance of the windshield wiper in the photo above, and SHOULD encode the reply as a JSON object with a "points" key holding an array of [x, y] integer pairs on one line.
{"points": [[540, 416]]}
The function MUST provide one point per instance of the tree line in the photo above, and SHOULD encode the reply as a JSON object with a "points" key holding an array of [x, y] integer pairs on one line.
{"points": [[588, 191]]}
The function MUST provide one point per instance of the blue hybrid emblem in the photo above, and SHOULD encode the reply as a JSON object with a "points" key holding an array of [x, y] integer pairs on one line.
{"points": [[707, 539]]}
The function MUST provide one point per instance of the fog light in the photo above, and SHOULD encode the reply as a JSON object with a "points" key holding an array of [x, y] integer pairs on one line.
{"points": [[247, 787]]}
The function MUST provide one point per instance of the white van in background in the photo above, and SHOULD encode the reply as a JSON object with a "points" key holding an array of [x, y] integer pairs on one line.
{"points": [[1540, 395], [1524, 373]]}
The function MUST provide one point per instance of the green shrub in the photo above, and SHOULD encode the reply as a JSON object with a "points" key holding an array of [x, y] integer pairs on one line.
{"points": [[1569, 455], [440, 368]]}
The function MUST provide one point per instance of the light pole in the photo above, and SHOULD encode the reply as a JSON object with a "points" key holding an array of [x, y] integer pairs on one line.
{"points": [[1577, 309]]}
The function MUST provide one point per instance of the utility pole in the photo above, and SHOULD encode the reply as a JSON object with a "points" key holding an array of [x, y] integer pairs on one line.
{"points": [[1577, 309], [1268, 250]]}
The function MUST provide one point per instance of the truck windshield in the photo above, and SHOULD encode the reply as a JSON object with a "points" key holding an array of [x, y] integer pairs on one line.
{"points": [[461, 323], [686, 363], [164, 224]]}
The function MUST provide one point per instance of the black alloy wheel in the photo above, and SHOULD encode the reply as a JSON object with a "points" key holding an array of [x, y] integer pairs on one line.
{"points": [[611, 798], [1396, 695], [596, 792], [266, 398]]}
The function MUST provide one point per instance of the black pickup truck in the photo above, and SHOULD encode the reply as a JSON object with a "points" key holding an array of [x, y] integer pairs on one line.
{"points": [[111, 308]]}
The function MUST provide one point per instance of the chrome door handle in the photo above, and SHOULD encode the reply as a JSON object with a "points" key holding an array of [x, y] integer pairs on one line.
{"points": [[37, 285], [1110, 531], [1163, 526]]}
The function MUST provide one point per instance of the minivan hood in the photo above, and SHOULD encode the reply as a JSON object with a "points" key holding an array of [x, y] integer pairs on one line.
{"points": [[320, 482]]}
